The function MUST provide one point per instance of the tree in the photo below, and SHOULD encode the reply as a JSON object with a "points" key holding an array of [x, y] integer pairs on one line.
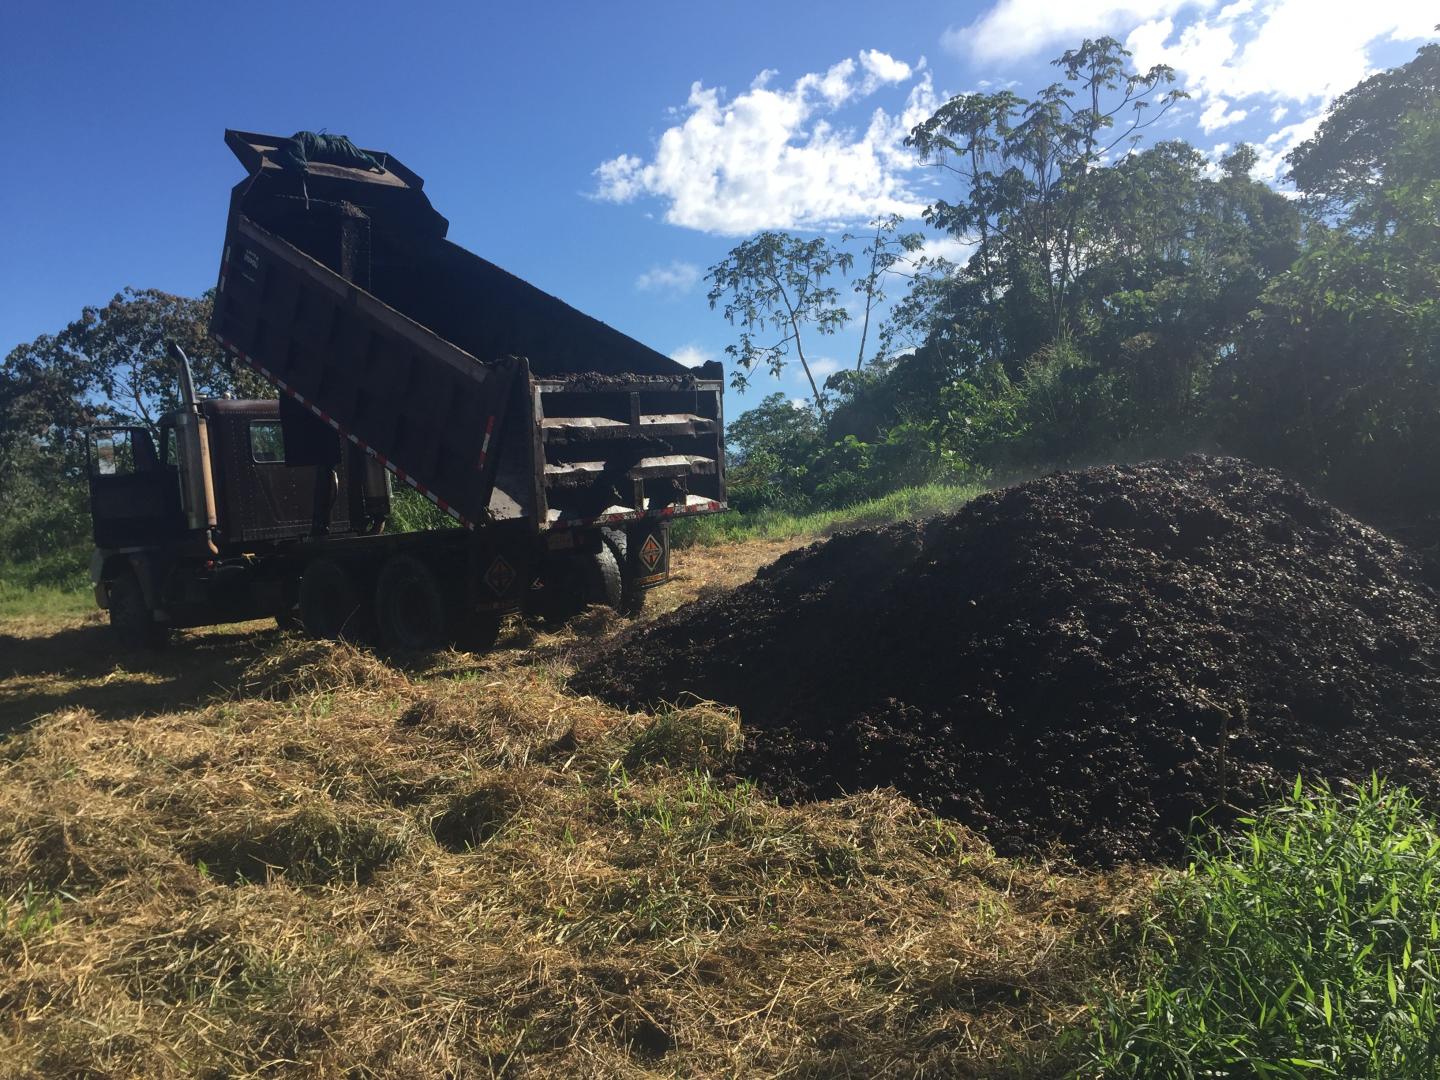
{"points": [[1116, 305], [110, 366], [1344, 159], [1100, 294], [885, 249], [107, 367], [1180, 260], [1338, 380], [770, 450], [1027, 168], [776, 283]]}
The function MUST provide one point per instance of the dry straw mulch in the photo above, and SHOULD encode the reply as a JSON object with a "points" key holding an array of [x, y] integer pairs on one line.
{"points": [[340, 868]]}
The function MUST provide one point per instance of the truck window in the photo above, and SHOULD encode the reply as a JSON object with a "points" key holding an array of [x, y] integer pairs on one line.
{"points": [[267, 443], [168, 454]]}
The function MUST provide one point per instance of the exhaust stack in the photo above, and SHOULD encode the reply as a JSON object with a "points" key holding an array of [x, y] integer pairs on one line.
{"points": [[188, 400], [192, 441]]}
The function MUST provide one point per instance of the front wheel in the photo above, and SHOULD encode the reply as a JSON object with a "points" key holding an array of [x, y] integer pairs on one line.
{"points": [[131, 619]]}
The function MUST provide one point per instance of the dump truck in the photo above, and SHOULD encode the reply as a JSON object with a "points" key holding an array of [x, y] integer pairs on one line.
{"points": [[555, 449]]}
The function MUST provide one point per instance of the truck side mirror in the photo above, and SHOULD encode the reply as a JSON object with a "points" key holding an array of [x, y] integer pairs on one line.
{"points": [[122, 451]]}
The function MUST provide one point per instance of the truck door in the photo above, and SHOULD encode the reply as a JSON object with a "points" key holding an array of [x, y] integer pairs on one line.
{"points": [[134, 497], [263, 497]]}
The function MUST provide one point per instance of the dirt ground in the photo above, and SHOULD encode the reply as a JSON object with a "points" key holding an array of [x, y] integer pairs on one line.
{"points": [[1085, 662]]}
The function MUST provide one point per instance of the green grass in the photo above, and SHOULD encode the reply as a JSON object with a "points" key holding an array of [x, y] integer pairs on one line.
{"points": [[1307, 946], [412, 512], [903, 505], [30, 914], [20, 598]]}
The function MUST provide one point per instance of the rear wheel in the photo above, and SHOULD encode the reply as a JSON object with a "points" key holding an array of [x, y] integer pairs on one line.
{"points": [[603, 584], [632, 596], [131, 619], [330, 603], [571, 581], [409, 606]]}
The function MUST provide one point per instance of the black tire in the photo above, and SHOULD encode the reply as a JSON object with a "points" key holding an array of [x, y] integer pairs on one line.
{"points": [[131, 619], [603, 583], [632, 597], [573, 581], [410, 608], [331, 608]]}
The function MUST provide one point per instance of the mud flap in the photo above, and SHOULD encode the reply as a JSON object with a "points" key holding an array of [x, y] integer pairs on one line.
{"points": [[500, 573], [647, 553]]}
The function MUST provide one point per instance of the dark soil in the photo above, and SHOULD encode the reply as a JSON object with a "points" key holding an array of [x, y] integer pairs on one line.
{"points": [[1086, 661], [600, 380]]}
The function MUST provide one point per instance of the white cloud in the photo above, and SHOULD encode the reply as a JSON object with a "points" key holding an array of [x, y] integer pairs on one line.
{"points": [[881, 69], [1282, 52], [1218, 114], [1016, 29], [773, 158], [1270, 154], [950, 248], [675, 276], [692, 355], [1288, 50], [823, 367]]}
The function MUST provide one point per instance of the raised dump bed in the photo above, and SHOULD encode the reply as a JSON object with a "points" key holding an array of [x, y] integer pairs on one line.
{"points": [[563, 445], [493, 398]]}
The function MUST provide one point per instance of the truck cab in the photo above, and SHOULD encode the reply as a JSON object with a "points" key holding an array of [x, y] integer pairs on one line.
{"points": [[211, 486]]}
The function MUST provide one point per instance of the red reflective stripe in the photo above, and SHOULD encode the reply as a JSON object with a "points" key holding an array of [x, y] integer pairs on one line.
{"points": [[485, 443]]}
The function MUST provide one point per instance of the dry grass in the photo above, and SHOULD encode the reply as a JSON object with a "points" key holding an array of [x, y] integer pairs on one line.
{"points": [[331, 866]]}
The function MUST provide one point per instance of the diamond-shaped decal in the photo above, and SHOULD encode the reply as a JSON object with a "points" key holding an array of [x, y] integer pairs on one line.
{"points": [[651, 552], [500, 576]]}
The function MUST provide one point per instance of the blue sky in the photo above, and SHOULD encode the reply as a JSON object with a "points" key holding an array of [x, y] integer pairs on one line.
{"points": [[607, 152]]}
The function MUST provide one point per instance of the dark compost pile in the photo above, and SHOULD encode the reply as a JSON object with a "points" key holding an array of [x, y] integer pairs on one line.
{"points": [[1086, 660]]}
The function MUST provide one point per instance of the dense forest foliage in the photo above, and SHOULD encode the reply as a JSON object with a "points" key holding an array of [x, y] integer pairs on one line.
{"points": [[1121, 297]]}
